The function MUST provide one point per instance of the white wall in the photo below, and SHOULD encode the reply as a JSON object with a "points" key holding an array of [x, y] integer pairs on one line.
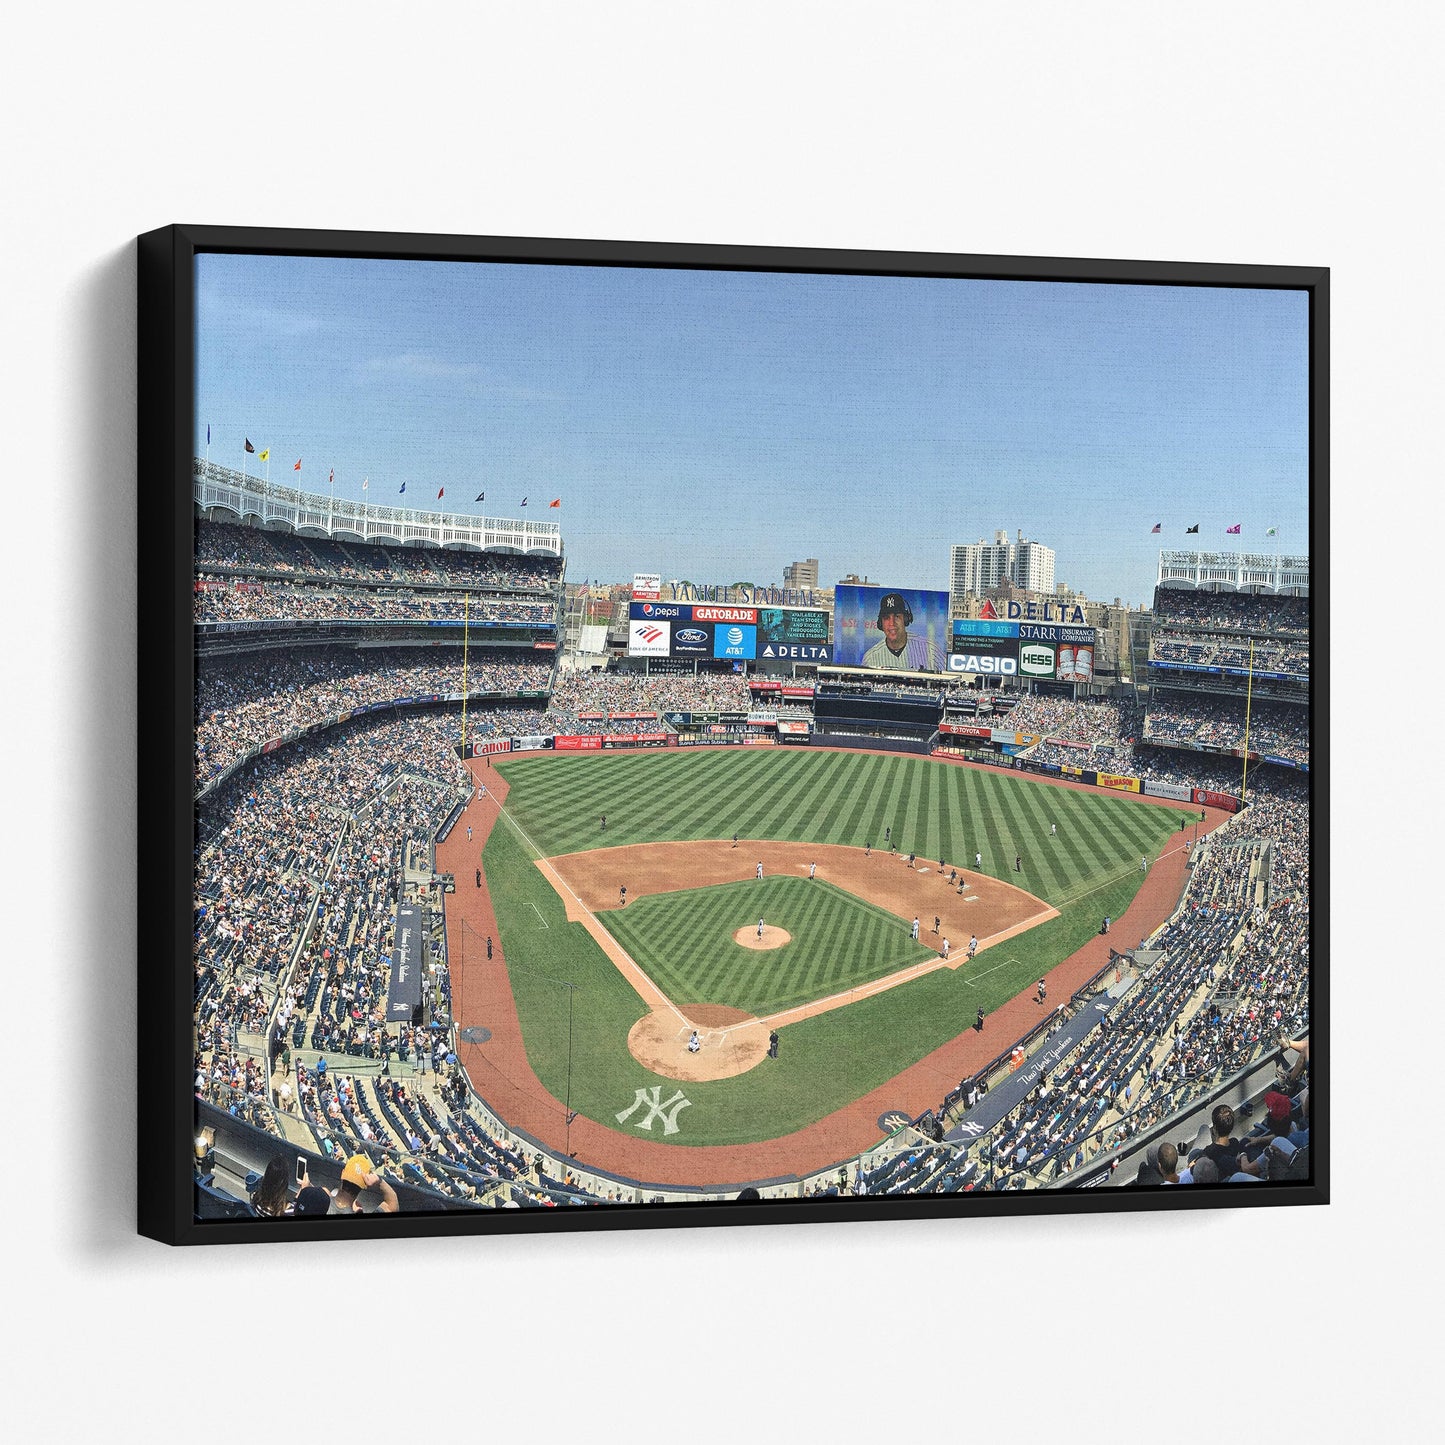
{"points": [[1290, 132]]}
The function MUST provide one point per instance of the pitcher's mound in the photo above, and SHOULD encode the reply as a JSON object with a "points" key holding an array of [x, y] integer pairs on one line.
{"points": [[771, 937], [731, 1042]]}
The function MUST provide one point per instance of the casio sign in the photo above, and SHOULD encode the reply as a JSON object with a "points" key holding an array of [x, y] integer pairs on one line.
{"points": [[972, 662]]}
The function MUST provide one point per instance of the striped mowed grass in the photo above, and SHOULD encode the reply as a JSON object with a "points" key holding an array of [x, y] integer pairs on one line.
{"points": [[554, 805], [684, 943], [931, 808]]}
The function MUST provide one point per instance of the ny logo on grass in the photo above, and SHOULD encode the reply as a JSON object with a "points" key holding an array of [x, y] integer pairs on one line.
{"points": [[656, 1109]]}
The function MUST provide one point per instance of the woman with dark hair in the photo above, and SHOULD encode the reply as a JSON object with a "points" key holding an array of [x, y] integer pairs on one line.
{"points": [[273, 1192]]}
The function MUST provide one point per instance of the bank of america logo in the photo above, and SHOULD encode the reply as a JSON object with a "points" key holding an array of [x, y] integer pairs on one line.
{"points": [[650, 634]]}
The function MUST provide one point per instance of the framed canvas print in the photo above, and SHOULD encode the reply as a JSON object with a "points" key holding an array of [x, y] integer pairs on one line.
{"points": [[652, 734]]}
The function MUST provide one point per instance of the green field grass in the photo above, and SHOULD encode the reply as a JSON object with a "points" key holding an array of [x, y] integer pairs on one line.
{"points": [[684, 941], [1090, 869]]}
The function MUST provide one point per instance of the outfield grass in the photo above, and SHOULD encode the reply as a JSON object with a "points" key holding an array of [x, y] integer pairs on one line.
{"points": [[684, 942], [1088, 870]]}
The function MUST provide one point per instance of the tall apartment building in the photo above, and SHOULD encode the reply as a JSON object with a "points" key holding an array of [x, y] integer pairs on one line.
{"points": [[979, 566], [801, 574]]}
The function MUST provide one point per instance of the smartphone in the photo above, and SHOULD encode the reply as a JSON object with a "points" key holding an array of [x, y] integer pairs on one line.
{"points": [[300, 1168]]}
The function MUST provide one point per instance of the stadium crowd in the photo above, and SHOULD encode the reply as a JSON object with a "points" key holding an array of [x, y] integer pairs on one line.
{"points": [[235, 548], [1292, 658], [577, 693], [287, 602], [1275, 728], [276, 843], [245, 702], [1233, 612]]}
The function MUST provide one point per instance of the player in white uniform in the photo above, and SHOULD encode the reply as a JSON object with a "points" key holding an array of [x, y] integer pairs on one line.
{"points": [[897, 650]]}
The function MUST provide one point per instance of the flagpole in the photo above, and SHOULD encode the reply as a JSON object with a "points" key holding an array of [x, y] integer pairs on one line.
{"points": [[1248, 694], [466, 625], [331, 501]]}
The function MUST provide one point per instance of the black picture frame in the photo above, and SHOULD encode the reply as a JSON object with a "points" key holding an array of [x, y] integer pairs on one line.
{"points": [[167, 359]]}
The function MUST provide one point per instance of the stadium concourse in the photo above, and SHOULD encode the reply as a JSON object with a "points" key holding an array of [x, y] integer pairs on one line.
{"points": [[331, 680]]}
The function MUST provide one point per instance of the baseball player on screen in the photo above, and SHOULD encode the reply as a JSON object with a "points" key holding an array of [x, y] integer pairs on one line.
{"points": [[897, 649]]}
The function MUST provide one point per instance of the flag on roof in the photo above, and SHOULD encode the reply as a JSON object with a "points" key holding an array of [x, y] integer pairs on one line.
{"points": [[332, 477], [1194, 528], [481, 496], [440, 492], [1157, 527], [208, 433], [365, 483], [403, 488], [1232, 531], [524, 501], [297, 466], [1270, 531], [249, 447], [264, 456], [557, 503]]}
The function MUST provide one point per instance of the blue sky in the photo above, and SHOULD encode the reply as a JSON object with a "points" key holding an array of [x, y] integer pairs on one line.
{"points": [[716, 426]]}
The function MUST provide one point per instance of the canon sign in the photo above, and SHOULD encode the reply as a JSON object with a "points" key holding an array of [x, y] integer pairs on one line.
{"points": [[973, 662]]}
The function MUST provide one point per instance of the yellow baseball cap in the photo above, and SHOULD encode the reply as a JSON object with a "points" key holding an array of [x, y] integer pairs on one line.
{"points": [[355, 1170]]}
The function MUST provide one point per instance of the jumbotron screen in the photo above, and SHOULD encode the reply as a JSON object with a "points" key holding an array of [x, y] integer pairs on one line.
{"points": [[890, 628]]}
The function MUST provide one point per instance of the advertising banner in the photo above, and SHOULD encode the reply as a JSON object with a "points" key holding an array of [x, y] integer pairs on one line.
{"points": [[987, 656], [1118, 783], [531, 744], [894, 628], [789, 727], [691, 640], [1036, 659], [794, 634], [1210, 799], [972, 628], [649, 639], [647, 584], [763, 718], [408, 957], [659, 612], [733, 640], [718, 613], [793, 624], [962, 730], [566, 743], [1167, 790], [1056, 633], [486, 746]]}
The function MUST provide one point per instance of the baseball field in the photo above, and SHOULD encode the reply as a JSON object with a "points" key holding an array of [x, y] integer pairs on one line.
{"points": [[819, 951]]}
